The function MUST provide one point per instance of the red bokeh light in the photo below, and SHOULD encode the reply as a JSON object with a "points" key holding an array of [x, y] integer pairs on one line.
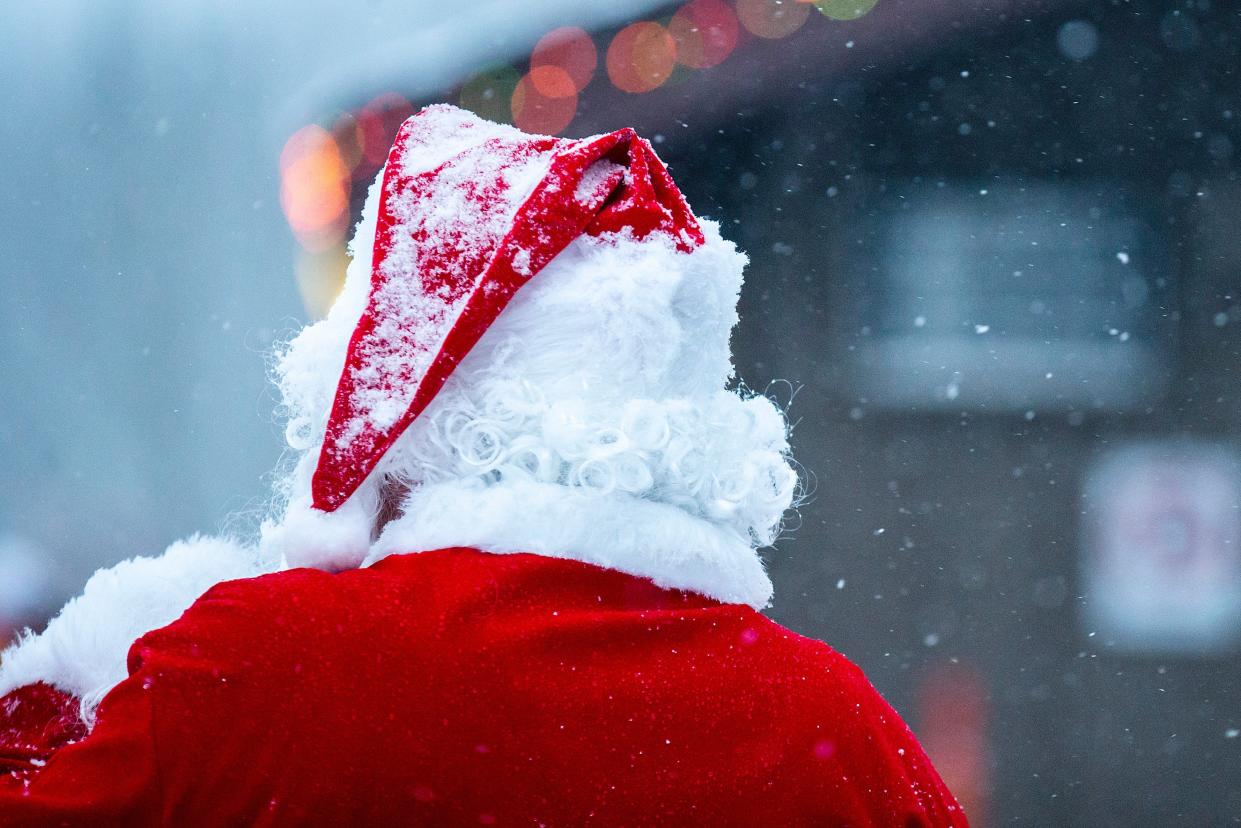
{"points": [[378, 121], [641, 57], [705, 32], [569, 49], [953, 711]]}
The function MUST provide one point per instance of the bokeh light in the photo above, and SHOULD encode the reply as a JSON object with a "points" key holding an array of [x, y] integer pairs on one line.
{"points": [[569, 49], [1078, 39], [772, 18], [378, 121], [705, 33], [489, 94], [844, 9], [545, 114], [552, 82], [641, 57], [314, 188]]}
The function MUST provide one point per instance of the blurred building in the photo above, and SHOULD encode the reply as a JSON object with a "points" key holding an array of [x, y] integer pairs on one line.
{"points": [[994, 274]]}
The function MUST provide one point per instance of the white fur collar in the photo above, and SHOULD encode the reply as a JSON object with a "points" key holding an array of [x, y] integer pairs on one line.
{"points": [[84, 648], [617, 531]]}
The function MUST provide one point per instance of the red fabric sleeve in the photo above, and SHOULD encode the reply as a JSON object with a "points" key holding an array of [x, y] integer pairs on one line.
{"points": [[50, 778], [459, 688]]}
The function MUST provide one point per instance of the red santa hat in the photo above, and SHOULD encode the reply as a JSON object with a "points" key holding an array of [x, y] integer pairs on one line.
{"points": [[454, 242]]}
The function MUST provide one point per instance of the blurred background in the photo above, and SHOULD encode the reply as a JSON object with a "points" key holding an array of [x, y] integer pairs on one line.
{"points": [[996, 272]]}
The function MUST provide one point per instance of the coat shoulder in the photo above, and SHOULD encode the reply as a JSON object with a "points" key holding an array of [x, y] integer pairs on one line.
{"points": [[844, 730], [514, 665]]}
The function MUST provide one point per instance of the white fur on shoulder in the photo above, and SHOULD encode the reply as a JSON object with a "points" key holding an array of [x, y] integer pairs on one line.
{"points": [[84, 648], [615, 530]]}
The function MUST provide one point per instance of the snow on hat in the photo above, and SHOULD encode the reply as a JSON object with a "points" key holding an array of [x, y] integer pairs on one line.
{"points": [[453, 244]]}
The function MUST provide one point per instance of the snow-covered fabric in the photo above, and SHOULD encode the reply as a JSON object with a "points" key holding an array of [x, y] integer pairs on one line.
{"points": [[459, 688], [82, 651]]}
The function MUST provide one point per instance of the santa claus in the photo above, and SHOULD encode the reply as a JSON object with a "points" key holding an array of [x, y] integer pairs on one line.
{"points": [[513, 578]]}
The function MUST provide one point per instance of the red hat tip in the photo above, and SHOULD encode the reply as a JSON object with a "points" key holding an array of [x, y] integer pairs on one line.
{"points": [[453, 244]]}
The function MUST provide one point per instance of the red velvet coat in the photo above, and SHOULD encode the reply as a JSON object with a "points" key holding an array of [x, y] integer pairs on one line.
{"points": [[463, 688]]}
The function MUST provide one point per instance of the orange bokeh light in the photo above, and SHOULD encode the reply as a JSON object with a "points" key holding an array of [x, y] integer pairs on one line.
{"points": [[641, 57], [705, 32], [569, 49], [552, 82], [314, 187], [772, 18], [534, 111]]}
